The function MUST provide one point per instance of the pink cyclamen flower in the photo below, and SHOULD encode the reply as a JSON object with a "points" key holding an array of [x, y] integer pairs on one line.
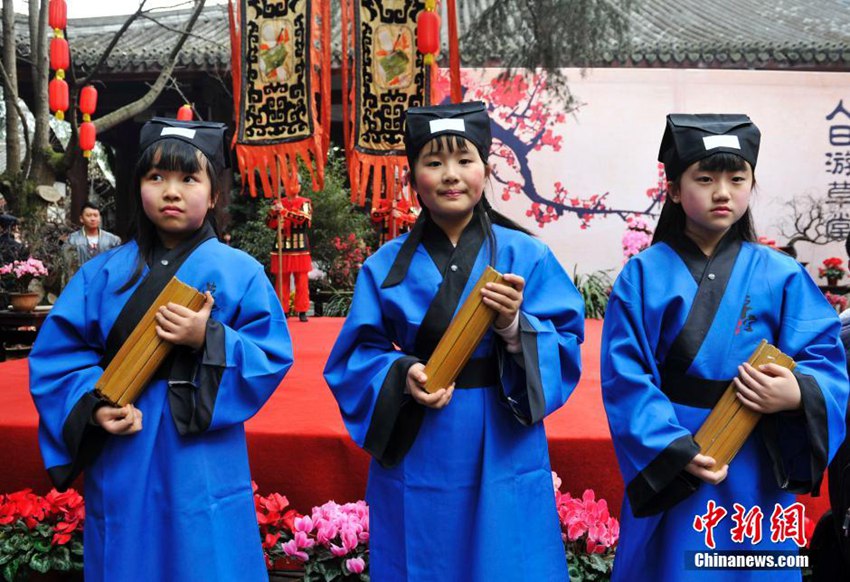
{"points": [[355, 565], [303, 524], [291, 550], [302, 541]]}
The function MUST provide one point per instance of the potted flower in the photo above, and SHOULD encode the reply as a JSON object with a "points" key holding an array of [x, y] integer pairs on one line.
{"points": [[41, 534], [832, 270], [16, 277], [332, 542], [589, 532]]}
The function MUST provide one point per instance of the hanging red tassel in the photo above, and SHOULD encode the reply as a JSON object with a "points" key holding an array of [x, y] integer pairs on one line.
{"points": [[295, 82], [375, 93]]}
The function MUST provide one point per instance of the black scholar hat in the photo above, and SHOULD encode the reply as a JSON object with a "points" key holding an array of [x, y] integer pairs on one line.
{"points": [[207, 136], [690, 138], [468, 120]]}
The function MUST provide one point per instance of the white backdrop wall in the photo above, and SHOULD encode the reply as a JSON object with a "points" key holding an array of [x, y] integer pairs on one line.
{"points": [[610, 144]]}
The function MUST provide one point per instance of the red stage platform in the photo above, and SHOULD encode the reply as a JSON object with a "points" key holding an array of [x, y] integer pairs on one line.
{"points": [[298, 445]]}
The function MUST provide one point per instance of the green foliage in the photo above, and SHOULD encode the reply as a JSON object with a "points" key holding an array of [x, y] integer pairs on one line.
{"points": [[45, 241], [249, 231], [24, 550], [595, 289], [18, 192], [584, 567], [333, 216], [338, 305]]}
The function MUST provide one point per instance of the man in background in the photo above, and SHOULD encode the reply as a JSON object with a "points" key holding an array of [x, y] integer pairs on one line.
{"points": [[91, 240]]}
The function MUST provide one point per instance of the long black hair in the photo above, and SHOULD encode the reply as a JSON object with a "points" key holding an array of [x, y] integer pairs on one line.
{"points": [[487, 215], [170, 155], [672, 221]]}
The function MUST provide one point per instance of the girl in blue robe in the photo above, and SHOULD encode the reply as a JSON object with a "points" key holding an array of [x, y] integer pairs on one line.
{"points": [[167, 484], [460, 486], [683, 317]]}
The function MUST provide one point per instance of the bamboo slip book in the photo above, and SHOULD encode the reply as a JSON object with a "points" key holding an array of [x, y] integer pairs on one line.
{"points": [[463, 335], [141, 354], [730, 422]]}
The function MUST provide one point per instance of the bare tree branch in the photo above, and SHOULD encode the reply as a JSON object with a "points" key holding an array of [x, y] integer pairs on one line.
{"points": [[177, 30], [126, 112], [176, 87], [108, 51], [808, 222]]}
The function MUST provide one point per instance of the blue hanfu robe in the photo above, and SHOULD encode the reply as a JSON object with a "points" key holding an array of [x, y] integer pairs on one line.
{"points": [[677, 326], [463, 493], [173, 501]]}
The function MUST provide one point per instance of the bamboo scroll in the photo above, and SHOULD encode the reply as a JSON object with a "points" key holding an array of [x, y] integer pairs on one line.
{"points": [[463, 335], [730, 423], [129, 372]]}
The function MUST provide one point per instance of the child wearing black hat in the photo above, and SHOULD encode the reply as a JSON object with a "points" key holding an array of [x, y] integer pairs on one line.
{"points": [[167, 486], [460, 486], [683, 317]]}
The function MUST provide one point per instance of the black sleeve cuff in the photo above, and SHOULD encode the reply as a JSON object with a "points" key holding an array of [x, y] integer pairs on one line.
{"points": [[83, 438], [194, 381], [664, 482], [526, 400], [396, 418], [798, 443]]}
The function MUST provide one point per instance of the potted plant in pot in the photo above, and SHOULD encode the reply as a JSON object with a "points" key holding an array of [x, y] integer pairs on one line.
{"points": [[832, 271], [16, 277]]}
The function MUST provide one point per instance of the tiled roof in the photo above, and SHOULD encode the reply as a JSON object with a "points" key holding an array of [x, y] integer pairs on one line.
{"points": [[808, 34], [738, 34]]}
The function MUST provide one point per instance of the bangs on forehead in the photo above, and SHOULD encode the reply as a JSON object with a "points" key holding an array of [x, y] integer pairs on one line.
{"points": [[723, 162], [448, 143], [174, 155]]}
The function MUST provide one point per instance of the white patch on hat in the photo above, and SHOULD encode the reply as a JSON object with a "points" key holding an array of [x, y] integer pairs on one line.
{"points": [[438, 125], [721, 141], [181, 131]]}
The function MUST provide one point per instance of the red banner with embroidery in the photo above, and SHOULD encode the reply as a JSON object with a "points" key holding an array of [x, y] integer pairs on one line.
{"points": [[382, 75], [281, 91]]}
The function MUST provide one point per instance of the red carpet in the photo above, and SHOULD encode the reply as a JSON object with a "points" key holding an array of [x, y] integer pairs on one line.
{"points": [[299, 447]]}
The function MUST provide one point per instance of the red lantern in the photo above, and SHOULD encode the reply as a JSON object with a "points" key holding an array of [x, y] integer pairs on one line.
{"points": [[88, 100], [57, 14], [428, 34], [58, 97], [185, 113], [60, 56], [87, 137]]}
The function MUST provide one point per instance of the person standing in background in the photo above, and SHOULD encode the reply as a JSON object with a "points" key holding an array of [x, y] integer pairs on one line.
{"points": [[91, 240]]}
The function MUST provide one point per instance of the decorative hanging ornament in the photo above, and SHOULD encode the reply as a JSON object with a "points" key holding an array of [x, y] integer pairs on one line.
{"points": [[88, 133], [57, 14], [185, 113], [58, 95], [60, 57], [428, 31], [88, 101], [88, 137]]}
